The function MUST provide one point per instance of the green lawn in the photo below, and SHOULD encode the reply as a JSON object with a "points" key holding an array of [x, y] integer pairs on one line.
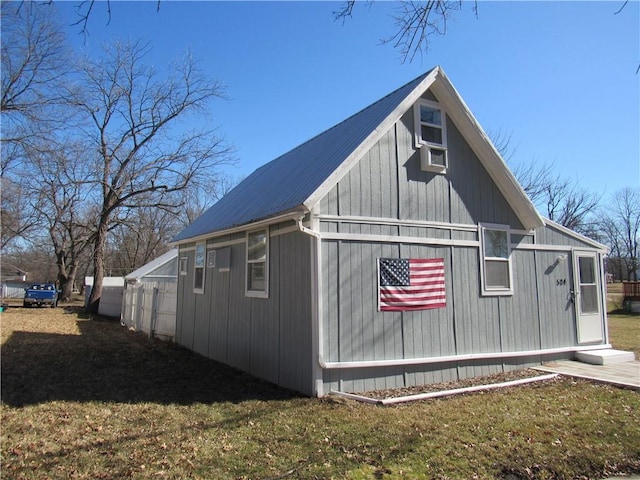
{"points": [[86, 399], [624, 332]]}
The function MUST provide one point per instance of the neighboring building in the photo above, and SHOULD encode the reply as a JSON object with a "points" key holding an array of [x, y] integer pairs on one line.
{"points": [[298, 274], [111, 298], [13, 281], [149, 300]]}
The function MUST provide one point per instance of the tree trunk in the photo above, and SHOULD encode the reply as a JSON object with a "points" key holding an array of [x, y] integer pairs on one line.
{"points": [[98, 267], [66, 283]]}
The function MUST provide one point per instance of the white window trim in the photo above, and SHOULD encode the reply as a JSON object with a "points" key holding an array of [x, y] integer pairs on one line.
{"points": [[204, 267], [257, 293], [494, 291], [424, 146], [183, 265]]}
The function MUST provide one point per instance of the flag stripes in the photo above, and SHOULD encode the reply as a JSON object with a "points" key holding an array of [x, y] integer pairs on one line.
{"points": [[411, 284]]}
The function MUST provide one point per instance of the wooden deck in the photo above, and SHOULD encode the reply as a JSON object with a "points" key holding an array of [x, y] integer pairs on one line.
{"points": [[625, 374], [631, 291]]}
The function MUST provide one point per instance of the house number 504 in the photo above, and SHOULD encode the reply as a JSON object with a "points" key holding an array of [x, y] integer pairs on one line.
{"points": [[561, 281]]}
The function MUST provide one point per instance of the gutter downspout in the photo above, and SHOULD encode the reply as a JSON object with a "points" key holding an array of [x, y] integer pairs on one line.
{"points": [[316, 327]]}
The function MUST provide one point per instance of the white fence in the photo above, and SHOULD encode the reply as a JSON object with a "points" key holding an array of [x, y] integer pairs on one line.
{"points": [[150, 307], [10, 291]]}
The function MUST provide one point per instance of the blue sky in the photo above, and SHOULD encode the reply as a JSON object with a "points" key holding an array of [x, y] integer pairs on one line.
{"points": [[559, 77]]}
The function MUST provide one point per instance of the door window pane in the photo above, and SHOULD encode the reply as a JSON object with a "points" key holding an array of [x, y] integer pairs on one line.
{"points": [[589, 299], [587, 270]]}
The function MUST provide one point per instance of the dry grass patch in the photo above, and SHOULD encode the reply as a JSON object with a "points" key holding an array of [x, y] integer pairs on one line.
{"points": [[87, 399]]}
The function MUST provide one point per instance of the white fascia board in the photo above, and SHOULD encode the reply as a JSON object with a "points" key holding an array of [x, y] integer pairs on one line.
{"points": [[290, 215], [371, 140], [486, 152], [578, 236]]}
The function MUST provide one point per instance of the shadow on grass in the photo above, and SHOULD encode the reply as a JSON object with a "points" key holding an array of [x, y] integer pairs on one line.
{"points": [[108, 363]]}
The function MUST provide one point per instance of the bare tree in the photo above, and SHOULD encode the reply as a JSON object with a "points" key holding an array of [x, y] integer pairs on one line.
{"points": [[620, 224], [560, 199], [141, 237], [416, 22], [35, 62], [139, 159], [201, 196], [84, 9], [60, 185], [569, 204]]}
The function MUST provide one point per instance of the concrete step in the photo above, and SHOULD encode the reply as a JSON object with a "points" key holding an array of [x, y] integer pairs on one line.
{"points": [[607, 356]]}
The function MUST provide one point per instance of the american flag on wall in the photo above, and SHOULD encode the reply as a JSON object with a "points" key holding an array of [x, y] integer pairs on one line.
{"points": [[411, 284]]}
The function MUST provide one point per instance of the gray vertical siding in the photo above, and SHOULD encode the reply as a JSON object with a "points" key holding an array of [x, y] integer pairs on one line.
{"points": [[269, 338], [558, 325], [388, 183], [272, 338], [550, 235], [539, 315]]}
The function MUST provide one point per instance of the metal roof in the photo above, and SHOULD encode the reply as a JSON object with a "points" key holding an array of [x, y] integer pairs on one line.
{"points": [[152, 265], [284, 184], [297, 180]]}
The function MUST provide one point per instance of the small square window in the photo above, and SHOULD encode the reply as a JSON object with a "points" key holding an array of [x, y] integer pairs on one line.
{"points": [[183, 266], [211, 259]]}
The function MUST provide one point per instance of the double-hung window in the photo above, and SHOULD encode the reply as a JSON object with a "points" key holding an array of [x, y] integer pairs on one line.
{"points": [[431, 135], [495, 245], [257, 263], [198, 270]]}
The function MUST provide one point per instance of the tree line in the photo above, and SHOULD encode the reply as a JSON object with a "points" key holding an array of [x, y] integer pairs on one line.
{"points": [[99, 167], [97, 160]]}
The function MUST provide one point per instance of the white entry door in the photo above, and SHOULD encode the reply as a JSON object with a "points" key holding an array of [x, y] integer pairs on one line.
{"points": [[588, 300]]}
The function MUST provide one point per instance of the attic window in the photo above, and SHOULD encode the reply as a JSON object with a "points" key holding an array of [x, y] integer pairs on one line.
{"points": [[431, 136]]}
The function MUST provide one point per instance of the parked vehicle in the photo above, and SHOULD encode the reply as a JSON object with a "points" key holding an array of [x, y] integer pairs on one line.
{"points": [[40, 294]]}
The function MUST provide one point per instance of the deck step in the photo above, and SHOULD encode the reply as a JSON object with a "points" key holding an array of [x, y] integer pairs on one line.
{"points": [[607, 356]]}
